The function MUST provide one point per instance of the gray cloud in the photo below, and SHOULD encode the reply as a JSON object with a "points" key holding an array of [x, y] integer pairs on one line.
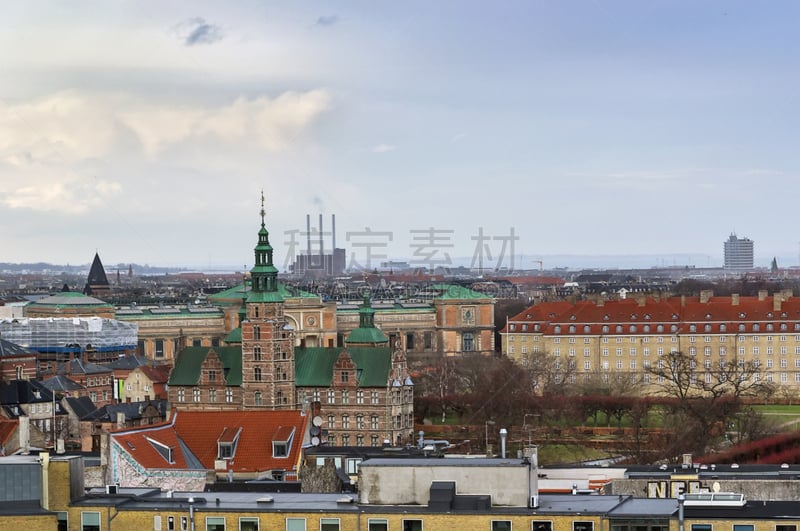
{"points": [[329, 20], [196, 31]]}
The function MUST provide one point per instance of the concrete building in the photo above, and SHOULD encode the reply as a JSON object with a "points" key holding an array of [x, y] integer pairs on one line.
{"points": [[738, 253]]}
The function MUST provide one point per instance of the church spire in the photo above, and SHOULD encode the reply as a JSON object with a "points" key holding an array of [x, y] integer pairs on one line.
{"points": [[264, 275]]}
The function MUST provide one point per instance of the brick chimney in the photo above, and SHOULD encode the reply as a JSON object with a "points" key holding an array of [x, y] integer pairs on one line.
{"points": [[777, 300], [735, 299], [705, 295], [762, 295]]}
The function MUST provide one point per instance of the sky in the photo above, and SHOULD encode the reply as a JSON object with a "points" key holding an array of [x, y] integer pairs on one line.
{"points": [[434, 131]]}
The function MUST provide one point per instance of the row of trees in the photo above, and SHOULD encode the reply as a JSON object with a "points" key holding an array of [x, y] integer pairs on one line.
{"points": [[690, 405]]}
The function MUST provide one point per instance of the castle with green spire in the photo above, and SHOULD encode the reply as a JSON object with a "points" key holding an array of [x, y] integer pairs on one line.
{"points": [[361, 393]]}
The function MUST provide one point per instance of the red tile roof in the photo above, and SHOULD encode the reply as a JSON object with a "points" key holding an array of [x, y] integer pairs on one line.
{"points": [[685, 315], [200, 431], [156, 373], [7, 429]]}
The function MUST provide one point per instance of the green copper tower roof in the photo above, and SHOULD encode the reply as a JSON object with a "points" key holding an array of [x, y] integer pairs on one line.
{"points": [[264, 275], [366, 333]]}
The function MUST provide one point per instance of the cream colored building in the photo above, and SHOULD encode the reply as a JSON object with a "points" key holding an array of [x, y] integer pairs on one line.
{"points": [[627, 336]]}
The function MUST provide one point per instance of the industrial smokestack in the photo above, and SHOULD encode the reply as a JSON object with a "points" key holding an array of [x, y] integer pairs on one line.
{"points": [[503, 435], [333, 231], [308, 233], [321, 243]]}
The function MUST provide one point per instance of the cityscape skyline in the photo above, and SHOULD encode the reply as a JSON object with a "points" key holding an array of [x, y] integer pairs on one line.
{"points": [[618, 129]]}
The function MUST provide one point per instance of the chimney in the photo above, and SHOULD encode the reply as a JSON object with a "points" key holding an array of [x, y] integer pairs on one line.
{"points": [[705, 295], [120, 419], [321, 242], [683, 301], [762, 295], [601, 301], [735, 299], [787, 294], [503, 436], [777, 299], [308, 235], [641, 300], [333, 232], [657, 296]]}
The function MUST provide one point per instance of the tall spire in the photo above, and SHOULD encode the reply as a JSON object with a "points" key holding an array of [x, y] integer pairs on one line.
{"points": [[264, 275]]}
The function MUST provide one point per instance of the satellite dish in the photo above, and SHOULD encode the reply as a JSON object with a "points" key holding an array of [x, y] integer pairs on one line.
{"points": [[314, 441], [317, 421], [315, 431]]}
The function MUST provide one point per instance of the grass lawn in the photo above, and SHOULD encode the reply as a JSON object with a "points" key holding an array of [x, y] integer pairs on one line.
{"points": [[553, 454]]}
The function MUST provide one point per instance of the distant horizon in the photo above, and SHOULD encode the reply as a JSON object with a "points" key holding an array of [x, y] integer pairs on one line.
{"points": [[567, 262]]}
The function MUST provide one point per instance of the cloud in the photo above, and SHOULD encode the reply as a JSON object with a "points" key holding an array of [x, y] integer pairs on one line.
{"points": [[74, 151], [383, 148], [71, 194], [196, 31], [329, 20]]}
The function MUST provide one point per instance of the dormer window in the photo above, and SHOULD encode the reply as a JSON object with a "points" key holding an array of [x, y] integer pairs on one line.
{"points": [[163, 450], [282, 441], [227, 442], [345, 376]]}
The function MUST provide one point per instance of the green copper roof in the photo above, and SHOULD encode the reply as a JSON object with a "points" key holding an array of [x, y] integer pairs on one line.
{"points": [[237, 292], [235, 336], [455, 292], [366, 335], [66, 299], [265, 296], [314, 365], [187, 366]]}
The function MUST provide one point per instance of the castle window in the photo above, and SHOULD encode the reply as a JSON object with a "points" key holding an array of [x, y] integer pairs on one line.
{"points": [[257, 374], [373, 422], [360, 396], [345, 376], [345, 397], [229, 396], [375, 397], [196, 394], [258, 399], [360, 422], [212, 395], [345, 422], [181, 395], [331, 396], [256, 332], [257, 353], [331, 422]]}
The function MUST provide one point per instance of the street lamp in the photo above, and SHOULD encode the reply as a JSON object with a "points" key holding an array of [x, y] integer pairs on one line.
{"points": [[486, 426]]}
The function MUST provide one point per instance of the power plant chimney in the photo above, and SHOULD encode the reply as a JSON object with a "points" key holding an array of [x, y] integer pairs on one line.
{"points": [[308, 233], [333, 231]]}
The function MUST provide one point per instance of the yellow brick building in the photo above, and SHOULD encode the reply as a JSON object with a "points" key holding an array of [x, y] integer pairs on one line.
{"points": [[626, 337]]}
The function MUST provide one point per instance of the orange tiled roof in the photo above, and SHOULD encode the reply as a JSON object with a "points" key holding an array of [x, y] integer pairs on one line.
{"points": [[200, 431], [685, 315], [7, 429], [156, 373]]}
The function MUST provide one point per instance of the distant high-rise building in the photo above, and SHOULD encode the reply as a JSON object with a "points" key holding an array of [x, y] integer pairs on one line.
{"points": [[738, 253]]}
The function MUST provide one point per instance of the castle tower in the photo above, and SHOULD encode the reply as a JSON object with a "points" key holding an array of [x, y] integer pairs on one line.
{"points": [[268, 379]]}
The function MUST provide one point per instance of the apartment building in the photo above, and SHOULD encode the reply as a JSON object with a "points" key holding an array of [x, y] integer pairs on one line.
{"points": [[629, 336]]}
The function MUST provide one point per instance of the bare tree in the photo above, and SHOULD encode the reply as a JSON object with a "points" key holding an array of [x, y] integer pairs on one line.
{"points": [[707, 396]]}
